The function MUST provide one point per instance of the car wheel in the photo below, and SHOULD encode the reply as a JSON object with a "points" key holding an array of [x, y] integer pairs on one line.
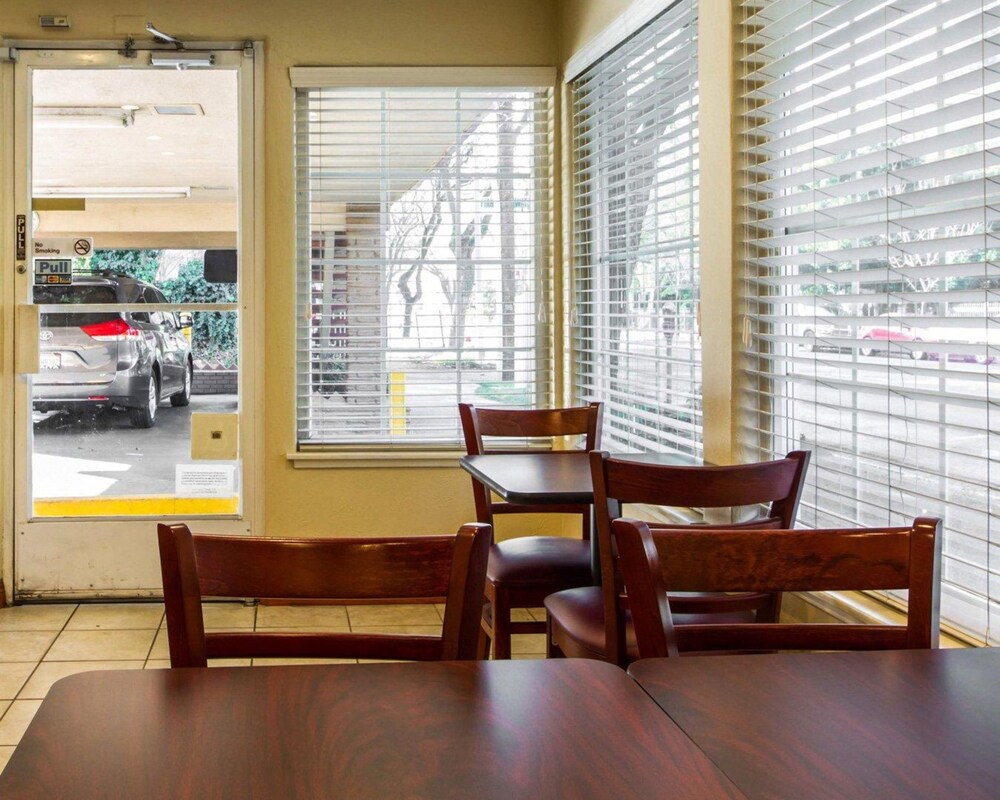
{"points": [[145, 415], [183, 397], [810, 344], [918, 355], [866, 349]]}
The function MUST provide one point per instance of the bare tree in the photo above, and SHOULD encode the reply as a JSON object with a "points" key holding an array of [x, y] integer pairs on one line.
{"points": [[410, 280], [462, 244], [507, 132], [630, 179], [445, 188]]}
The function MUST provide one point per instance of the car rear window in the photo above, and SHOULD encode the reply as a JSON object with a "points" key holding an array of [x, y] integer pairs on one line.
{"points": [[76, 295]]}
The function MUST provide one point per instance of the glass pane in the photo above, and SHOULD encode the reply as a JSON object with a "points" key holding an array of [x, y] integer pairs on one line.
{"points": [[145, 157], [419, 259], [112, 408], [634, 325], [872, 266]]}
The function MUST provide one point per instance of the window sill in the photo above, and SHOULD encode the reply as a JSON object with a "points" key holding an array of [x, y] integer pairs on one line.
{"points": [[858, 607], [663, 514], [376, 459]]}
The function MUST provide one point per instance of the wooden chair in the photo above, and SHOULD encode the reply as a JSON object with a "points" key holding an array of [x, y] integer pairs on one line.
{"points": [[654, 560], [522, 572], [418, 568], [593, 622]]}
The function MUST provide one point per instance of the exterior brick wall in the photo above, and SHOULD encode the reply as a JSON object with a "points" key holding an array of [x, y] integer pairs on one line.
{"points": [[215, 381]]}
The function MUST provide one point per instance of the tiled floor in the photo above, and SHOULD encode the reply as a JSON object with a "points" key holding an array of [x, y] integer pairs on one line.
{"points": [[41, 644]]}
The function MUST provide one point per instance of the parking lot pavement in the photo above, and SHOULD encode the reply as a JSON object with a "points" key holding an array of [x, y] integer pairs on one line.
{"points": [[101, 455]]}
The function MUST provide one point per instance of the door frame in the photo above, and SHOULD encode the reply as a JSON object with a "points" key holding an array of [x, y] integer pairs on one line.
{"points": [[13, 113]]}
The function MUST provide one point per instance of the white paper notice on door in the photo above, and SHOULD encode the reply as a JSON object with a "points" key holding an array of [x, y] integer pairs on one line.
{"points": [[204, 480]]}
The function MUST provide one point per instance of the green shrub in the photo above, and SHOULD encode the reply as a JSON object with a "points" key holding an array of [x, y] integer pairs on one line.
{"points": [[467, 363], [504, 392], [214, 336]]}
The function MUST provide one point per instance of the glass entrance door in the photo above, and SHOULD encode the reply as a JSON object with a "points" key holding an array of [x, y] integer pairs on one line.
{"points": [[129, 403]]}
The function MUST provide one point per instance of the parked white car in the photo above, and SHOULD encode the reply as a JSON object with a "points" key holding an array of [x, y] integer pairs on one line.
{"points": [[817, 325]]}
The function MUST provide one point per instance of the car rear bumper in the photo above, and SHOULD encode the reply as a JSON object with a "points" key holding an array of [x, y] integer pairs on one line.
{"points": [[124, 391]]}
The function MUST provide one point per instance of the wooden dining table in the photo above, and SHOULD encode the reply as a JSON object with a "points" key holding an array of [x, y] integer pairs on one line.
{"points": [[508, 729], [894, 724], [553, 477]]}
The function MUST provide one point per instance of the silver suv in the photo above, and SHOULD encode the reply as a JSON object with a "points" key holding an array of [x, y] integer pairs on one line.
{"points": [[129, 360]]}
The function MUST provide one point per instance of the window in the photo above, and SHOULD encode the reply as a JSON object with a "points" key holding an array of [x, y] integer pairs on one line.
{"points": [[870, 133], [152, 296], [635, 220], [423, 254]]}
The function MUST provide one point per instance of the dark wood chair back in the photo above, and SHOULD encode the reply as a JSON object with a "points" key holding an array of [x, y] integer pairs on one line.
{"points": [[774, 485], [428, 569], [526, 424], [658, 559]]}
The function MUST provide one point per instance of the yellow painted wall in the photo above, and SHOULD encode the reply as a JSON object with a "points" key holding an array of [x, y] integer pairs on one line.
{"points": [[326, 32], [581, 20]]}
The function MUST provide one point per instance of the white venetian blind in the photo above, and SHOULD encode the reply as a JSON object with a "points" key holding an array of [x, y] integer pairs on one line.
{"points": [[635, 231], [870, 134], [422, 229]]}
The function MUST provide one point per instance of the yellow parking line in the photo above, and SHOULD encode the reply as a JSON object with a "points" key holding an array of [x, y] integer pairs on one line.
{"points": [[161, 506]]}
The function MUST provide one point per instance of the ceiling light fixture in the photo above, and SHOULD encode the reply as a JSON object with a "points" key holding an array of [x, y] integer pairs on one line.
{"points": [[114, 192], [85, 116], [78, 122]]}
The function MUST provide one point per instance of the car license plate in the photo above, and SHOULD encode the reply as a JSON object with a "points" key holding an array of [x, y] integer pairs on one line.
{"points": [[49, 360]]}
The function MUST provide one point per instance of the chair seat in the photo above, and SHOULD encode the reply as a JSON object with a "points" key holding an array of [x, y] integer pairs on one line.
{"points": [[576, 617], [540, 560]]}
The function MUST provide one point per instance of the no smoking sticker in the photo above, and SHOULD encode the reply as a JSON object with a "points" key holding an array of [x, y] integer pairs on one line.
{"points": [[78, 246]]}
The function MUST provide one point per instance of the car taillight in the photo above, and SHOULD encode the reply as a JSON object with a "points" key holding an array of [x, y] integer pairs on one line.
{"points": [[111, 330]]}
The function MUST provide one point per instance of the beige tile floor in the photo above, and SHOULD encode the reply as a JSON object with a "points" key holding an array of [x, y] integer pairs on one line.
{"points": [[43, 643]]}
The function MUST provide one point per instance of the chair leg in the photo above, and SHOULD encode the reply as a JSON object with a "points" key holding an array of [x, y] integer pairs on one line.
{"points": [[486, 630], [552, 650], [772, 611], [501, 626], [486, 624]]}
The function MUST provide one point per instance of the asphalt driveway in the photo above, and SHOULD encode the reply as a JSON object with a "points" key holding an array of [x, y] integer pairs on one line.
{"points": [[101, 455]]}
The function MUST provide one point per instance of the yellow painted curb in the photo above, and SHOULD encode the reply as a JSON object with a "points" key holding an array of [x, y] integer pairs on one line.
{"points": [[138, 507]]}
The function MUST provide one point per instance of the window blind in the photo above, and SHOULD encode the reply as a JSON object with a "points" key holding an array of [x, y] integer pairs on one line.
{"points": [[423, 239], [633, 323], [869, 138]]}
